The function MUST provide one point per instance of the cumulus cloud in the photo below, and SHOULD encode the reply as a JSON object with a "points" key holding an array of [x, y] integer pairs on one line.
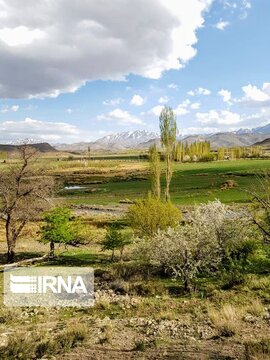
{"points": [[137, 100], [113, 102], [19, 35], [182, 108], [199, 91], [195, 106], [254, 95], [121, 117], [221, 25], [226, 95], [42, 130], [156, 110], [163, 99], [66, 43], [173, 86], [223, 117], [13, 108]]}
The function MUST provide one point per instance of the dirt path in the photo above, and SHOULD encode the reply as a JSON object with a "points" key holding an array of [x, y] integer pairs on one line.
{"points": [[203, 351]]}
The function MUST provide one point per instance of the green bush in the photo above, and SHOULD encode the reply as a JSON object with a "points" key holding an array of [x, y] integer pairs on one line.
{"points": [[208, 157], [149, 215], [116, 239]]}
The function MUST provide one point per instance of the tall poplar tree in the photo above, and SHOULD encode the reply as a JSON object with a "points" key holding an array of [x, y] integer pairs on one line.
{"points": [[168, 132]]}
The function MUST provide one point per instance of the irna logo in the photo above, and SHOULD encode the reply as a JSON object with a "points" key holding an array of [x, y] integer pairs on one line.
{"points": [[42, 284], [49, 286]]}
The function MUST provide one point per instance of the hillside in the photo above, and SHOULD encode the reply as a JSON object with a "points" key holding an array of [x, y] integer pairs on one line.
{"points": [[264, 143], [42, 147]]}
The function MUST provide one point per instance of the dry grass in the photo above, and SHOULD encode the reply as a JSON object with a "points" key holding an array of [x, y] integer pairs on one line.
{"points": [[227, 319], [256, 309]]}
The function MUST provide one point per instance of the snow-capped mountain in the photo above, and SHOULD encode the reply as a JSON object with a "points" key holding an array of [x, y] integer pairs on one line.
{"points": [[118, 141], [258, 130], [128, 139], [142, 139]]}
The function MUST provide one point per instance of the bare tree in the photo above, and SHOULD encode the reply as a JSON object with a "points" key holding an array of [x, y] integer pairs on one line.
{"points": [[154, 159], [24, 190], [168, 131]]}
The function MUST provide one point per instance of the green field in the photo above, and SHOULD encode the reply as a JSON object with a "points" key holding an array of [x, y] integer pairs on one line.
{"points": [[192, 183], [141, 312]]}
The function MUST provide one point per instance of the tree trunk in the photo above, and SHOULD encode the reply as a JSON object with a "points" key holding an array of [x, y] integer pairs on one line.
{"points": [[121, 254], [10, 256], [168, 179], [10, 243], [186, 284], [51, 249]]}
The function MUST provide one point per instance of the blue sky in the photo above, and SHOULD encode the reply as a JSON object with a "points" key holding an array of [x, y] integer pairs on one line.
{"points": [[100, 70]]}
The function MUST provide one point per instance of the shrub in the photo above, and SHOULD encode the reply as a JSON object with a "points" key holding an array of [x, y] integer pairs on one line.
{"points": [[20, 346], [227, 320], [140, 345], [149, 215], [212, 238], [116, 239], [67, 339], [208, 157]]}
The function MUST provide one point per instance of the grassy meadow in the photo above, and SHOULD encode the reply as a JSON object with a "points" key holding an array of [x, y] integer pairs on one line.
{"points": [[192, 183], [140, 313]]}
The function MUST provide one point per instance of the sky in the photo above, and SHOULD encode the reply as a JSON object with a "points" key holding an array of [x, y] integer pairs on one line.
{"points": [[79, 70]]}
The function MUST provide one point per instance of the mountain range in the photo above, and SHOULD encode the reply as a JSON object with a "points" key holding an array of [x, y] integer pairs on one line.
{"points": [[142, 139], [119, 141]]}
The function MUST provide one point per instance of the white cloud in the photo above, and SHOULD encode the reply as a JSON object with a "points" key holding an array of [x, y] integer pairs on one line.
{"points": [[173, 86], [156, 110], [43, 130], [20, 35], [137, 100], [221, 25], [67, 43], [69, 111], [113, 102], [121, 117], [239, 8], [14, 108], [226, 95], [163, 100], [203, 91], [195, 106], [6, 109], [182, 108], [198, 130], [253, 94], [223, 117], [199, 91]]}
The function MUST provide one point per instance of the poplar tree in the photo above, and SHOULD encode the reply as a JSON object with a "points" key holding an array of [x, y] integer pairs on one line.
{"points": [[168, 131], [155, 171]]}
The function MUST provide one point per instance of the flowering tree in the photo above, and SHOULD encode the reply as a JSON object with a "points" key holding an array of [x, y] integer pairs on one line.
{"points": [[211, 234]]}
